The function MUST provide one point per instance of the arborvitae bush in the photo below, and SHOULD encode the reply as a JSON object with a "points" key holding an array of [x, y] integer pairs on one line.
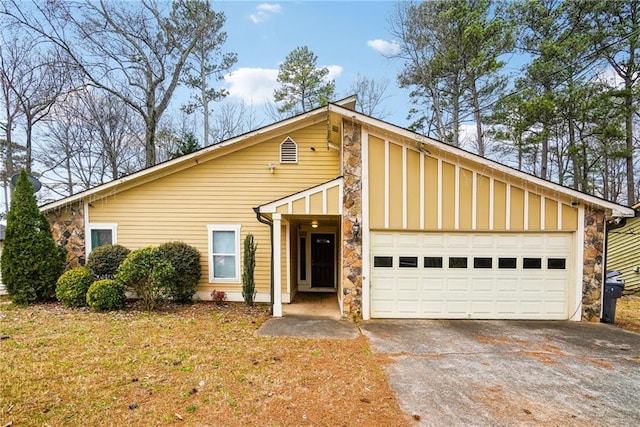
{"points": [[31, 262], [146, 272], [72, 287], [185, 260], [248, 267], [106, 295], [103, 261]]}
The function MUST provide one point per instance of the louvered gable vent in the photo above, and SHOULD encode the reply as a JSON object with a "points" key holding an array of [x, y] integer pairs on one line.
{"points": [[288, 151]]}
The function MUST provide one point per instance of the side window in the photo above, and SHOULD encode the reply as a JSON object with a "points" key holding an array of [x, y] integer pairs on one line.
{"points": [[102, 234], [224, 253]]}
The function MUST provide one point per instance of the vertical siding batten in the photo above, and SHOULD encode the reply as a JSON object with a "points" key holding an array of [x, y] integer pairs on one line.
{"points": [[491, 202], [542, 212], [526, 210], [386, 183], [405, 173], [422, 190], [474, 200], [440, 185], [456, 198], [507, 218]]}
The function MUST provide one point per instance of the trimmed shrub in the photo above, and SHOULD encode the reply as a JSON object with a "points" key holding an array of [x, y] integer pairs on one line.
{"points": [[106, 295], [185, 260], [103, 261], [146, 272], [72, 287], [31, 262]]}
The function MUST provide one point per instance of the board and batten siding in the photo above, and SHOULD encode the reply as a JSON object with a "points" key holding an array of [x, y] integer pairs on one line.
{"points": [[411, 190], [221, 190]]}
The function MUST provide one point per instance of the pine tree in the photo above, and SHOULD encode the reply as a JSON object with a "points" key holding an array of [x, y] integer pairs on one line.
{"points": [[31, 262]]}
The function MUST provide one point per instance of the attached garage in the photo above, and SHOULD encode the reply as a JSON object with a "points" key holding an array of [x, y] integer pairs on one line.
{"points": [[472, 275], [450, 235]]}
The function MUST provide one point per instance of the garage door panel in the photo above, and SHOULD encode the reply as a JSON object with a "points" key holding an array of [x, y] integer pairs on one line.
{"points": [[425, 286]]}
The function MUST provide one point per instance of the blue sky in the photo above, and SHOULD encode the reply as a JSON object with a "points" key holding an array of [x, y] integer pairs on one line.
{"points": [[348, 37]]}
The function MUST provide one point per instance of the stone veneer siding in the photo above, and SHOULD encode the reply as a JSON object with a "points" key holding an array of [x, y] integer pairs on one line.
{"points": [[68, 229], [351, 211], [592, 267]]}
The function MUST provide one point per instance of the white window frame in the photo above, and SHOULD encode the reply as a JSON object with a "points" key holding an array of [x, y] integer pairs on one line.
{"points": [[100, 226], [224, 227]]}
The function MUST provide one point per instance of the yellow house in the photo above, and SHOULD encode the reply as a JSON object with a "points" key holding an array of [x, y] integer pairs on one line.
{"points": [[398, 225], [623, 250]]}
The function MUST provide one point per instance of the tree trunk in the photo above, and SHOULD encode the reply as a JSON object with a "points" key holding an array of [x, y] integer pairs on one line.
{"points": [[628, 102], [150, 141], [477, 116]]}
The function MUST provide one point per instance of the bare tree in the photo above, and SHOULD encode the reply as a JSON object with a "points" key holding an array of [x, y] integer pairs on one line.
{"points": [[371, 94], [233, 119], [89, 140], [136, 52]]}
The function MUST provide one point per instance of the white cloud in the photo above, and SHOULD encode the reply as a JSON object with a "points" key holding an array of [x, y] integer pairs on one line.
{"points": [[255, 86], [384, 47], [252, 85], [264, 12], [334, 71]]}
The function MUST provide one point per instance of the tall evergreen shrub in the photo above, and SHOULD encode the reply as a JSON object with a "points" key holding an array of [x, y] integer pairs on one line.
{"points": [[248, 267], [31, 262]]}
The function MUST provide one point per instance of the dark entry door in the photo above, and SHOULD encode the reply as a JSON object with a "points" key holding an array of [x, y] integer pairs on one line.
{"points": [[323, 260]]}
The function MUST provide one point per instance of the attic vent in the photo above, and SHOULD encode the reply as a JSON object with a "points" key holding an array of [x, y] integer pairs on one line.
{"points": [[288, 151]]}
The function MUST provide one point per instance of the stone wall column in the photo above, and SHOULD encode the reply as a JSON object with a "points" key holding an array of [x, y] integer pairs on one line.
{"points": [[592, 266], [68, 229], [351, 212]]}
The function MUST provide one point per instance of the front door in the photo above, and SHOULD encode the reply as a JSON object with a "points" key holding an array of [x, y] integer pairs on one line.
{"points": [[323, 260]]}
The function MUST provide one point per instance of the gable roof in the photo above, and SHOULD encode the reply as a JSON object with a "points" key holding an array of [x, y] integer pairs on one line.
{"points": [[344, 107]]}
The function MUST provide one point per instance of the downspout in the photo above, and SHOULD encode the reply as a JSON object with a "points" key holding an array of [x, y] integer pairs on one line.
{"points": [[263, 220]]}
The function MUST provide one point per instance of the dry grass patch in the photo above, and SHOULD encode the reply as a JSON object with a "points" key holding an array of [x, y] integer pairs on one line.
{"points": [[628, 313], [199, 364]]}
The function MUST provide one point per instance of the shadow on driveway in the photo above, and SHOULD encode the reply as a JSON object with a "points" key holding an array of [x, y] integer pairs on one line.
{"points": [[511, 373]]}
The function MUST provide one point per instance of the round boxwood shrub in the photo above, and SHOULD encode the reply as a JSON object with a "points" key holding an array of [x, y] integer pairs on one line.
{"points": [[146, 272], [105, 295], [185, 260], [103, 261], [72, 286]]}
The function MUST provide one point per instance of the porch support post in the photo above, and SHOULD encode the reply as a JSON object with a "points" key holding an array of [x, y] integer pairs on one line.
{"points": [[277, 265]]}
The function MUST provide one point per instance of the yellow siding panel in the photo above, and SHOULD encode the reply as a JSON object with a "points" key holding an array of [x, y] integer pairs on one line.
{"points": [[534, 212], [298, 207], [413, 190], [223, 190], [376, 183], [283, 209], [569, 218], [517, 209], [623, 253], [550, 215], [333, 201], [430, 193], [395, 186], [482, 203], [465, 199], [315, 203], [499, 205], [448, 196]]}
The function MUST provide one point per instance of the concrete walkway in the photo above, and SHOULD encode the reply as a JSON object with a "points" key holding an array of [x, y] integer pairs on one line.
{"points": [[311, 315]]}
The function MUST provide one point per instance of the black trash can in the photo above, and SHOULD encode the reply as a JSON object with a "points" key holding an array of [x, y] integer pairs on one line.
{"points": [[613, 288]]}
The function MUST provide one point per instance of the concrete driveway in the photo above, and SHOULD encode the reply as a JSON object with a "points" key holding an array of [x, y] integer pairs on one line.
{"points": [[511, 373]]}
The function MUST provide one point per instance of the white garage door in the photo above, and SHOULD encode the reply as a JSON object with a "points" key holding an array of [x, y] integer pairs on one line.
{"points": [[471, 276]]}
